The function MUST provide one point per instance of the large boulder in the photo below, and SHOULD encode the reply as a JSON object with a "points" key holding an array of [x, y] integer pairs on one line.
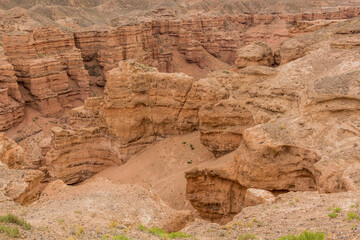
{"points": [[257, 53]]}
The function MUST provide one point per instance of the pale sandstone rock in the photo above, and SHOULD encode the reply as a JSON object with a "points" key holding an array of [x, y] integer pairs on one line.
{"points": [[289, 50], [255, 197], [22, 186], [257, 53], [11, 154]]}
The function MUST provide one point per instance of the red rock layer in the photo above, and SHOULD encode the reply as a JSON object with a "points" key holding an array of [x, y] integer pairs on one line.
{"points": [[11, 103], [49, 66], [220, 36]]}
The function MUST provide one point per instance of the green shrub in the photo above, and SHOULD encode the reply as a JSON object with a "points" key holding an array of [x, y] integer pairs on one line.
{"points": [[337, 210], [332, 215], [305, 236], [142, 227], [175, 235], [247, 236], [352, 215], [162, 234], [122, 237], [11, 218], [10, 231]]}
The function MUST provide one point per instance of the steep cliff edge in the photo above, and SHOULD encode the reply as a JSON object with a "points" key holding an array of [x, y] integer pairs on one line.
{"points": [[48, 67]]}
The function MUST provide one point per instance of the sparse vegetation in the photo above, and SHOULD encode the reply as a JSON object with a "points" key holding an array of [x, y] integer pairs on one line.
{"points": [[10, 231], [162, 234], [10, 218], [79, 231], [227, 72], [306, 235], [113, 224], [40, 55], [247, 236], [142, 228], [352, 216], [332, 215], [337, 210], [122, 237]]}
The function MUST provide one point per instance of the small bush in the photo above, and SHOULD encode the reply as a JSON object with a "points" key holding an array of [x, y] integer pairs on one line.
{"points": [[305, 236], [80, 230], [157, 231], [113, 224], [337, 210], [122, 237], [162, 234], [10, 231], [11, 218], [332, 215], [247, 236], [142, 227], [351, 216]]}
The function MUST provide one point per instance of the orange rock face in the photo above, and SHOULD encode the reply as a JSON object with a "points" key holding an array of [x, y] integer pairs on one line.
{"points": [[48, 67], [136, 109], [154, 42], [305, 130], [11, 103]]}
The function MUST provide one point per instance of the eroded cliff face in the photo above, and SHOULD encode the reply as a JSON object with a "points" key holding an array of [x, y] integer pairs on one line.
{"points": [[305, 132], [137, 108], [205, 41], [48, 67], [11, 103], [21, 186]]}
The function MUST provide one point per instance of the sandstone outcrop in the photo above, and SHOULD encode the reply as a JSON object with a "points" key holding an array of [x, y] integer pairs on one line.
{"points": [[222, 124], [11, 103], [79, 152], [289, 50], [21, 186], [307, 132], [200, 39], [11, 154], [257, 53], [49, 67], [255, 197], [136, 109]]}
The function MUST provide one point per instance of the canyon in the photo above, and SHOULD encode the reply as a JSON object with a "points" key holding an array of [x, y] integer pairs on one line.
{"points": [[119, 117]]}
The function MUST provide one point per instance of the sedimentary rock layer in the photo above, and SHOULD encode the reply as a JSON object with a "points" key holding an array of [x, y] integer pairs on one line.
{"points": [[11, 103], [50, 68]]}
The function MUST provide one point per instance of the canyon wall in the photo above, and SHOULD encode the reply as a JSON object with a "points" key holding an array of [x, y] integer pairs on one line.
{"points": [[304, 136], [196, 37], [137, 108], [48, 67], [11, 102]]}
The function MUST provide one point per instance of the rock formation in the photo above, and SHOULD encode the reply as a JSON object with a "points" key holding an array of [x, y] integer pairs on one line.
{"points": [[11, 103], [257, 53], [11, 154], [136, 109], [308, 128], [21, 186], [50, 68]]}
